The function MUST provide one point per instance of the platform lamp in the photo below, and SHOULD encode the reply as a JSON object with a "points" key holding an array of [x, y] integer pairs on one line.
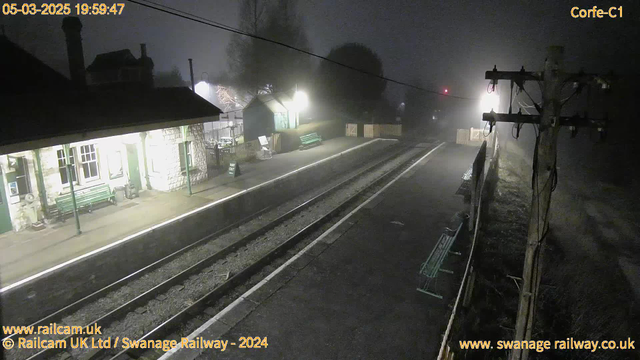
{"points": [[300, 102], [184, 129], [69, 167], [233, 134]]}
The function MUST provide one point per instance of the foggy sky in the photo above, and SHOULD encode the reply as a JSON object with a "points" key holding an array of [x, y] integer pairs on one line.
{"points": [[444, 43]]}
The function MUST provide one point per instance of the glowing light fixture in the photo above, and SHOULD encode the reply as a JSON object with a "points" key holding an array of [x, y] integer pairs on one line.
{"points": [[300, 100], [489, 102], [203, 89]]}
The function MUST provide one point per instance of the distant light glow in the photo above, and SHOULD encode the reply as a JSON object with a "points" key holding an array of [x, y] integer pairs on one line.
{"points": [[489, 102], [446, 91], [300, 100], [203, 89]]}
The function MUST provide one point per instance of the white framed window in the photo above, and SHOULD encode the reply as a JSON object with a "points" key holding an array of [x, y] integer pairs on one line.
{"points": [[62, 166], [189, 156], [89, 161], [115, 165]]}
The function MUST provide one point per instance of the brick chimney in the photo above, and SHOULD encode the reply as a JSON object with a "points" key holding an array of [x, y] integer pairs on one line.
{"points": [[72, 27], [147, 67]]}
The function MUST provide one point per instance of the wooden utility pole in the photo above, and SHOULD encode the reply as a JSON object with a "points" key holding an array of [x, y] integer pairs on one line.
{"points": [[543, 178], [544, 167]]}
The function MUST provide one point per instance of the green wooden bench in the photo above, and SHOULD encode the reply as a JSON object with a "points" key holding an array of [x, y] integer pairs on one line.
{"points": [[433, 266], [310, 140], [85, 198]]}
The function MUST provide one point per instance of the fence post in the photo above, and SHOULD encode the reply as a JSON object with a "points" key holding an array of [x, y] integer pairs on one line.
{"points": [[216, 149], [476, 178], [474, 186], [469, 288]]}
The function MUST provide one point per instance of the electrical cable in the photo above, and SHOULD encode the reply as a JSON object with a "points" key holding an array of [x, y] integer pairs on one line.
{"points": [[204, 21], [484, 132], [565, 100], [534, 103]]}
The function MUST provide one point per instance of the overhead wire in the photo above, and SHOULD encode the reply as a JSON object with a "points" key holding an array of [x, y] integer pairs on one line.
{"points": [[188, 16]]}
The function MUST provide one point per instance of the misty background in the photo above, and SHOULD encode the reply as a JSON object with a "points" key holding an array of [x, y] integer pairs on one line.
{"points": [[443, 44], [433, 44]]}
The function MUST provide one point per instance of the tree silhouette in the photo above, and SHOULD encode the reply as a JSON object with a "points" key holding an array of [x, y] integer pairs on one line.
{"points": [[418, 107], [349, 92], [171, 78]]}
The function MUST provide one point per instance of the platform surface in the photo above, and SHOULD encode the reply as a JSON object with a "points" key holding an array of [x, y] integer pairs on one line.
{"points": [[356, 297]]}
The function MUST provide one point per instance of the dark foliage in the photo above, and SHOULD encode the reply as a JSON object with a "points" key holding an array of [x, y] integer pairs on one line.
{"points": [[256, 66], [171, 78], [351, 93], [419, 107]]}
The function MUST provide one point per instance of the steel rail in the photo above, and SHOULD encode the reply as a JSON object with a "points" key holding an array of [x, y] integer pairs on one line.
{"points": [[127, 307], [164, 329]]}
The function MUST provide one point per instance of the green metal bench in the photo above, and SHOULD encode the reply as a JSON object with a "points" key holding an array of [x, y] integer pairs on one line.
{"points": [[310, 140], [85, 198], [430, 269]]}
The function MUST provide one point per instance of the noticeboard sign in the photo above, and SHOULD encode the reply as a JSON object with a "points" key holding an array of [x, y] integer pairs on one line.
{"points": [[234, 169]]}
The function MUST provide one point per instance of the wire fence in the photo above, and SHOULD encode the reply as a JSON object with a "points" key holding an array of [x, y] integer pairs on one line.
{"points": [[478, 205]]}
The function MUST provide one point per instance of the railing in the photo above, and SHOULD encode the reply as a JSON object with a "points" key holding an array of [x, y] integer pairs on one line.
{"points": [[478, 181]]}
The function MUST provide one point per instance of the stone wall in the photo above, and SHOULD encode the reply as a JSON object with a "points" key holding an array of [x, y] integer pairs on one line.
{"points": [[164, 157], [162, 147], [382, 130]]}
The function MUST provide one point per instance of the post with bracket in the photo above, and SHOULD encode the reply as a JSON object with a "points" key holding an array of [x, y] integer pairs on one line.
{"points": [[187, 164], [549, 122], [73, 194]]}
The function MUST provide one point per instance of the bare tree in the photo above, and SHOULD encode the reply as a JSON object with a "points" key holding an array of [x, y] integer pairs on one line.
{"points": [[256, 66], [229, 98], [350, 93]]}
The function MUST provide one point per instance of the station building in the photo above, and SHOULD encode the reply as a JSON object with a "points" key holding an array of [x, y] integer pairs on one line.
{"points": [[269, 113], [108, 122]]}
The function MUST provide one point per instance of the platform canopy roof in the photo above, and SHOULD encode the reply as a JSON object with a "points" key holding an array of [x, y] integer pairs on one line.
{"points": [[40, 107], [37, 120], [21, 72], [276, 103]]}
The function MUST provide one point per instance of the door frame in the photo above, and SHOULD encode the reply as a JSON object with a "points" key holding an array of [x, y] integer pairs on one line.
{"points": [[5, 220], [132, 159]]}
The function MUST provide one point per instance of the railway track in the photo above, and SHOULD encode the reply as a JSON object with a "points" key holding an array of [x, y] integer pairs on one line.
{"points": [[243, 259]]}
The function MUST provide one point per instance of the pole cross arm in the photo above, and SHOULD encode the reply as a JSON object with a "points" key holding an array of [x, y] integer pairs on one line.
{"points": [[582, 78], [519, 77], [576, 120]]}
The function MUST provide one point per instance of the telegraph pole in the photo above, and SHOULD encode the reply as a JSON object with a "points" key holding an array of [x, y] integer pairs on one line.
{"points": [[544, 167], [543, 177]]}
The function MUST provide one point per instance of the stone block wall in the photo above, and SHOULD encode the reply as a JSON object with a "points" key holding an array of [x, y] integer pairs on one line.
{"points": [[163, 152]]}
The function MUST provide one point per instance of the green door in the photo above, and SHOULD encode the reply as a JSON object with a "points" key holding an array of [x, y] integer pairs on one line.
{"points": [[5, 218], [134, 168]]}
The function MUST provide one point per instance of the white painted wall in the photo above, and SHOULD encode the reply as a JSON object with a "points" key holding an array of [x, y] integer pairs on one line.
{"points": [[163, 165]]}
